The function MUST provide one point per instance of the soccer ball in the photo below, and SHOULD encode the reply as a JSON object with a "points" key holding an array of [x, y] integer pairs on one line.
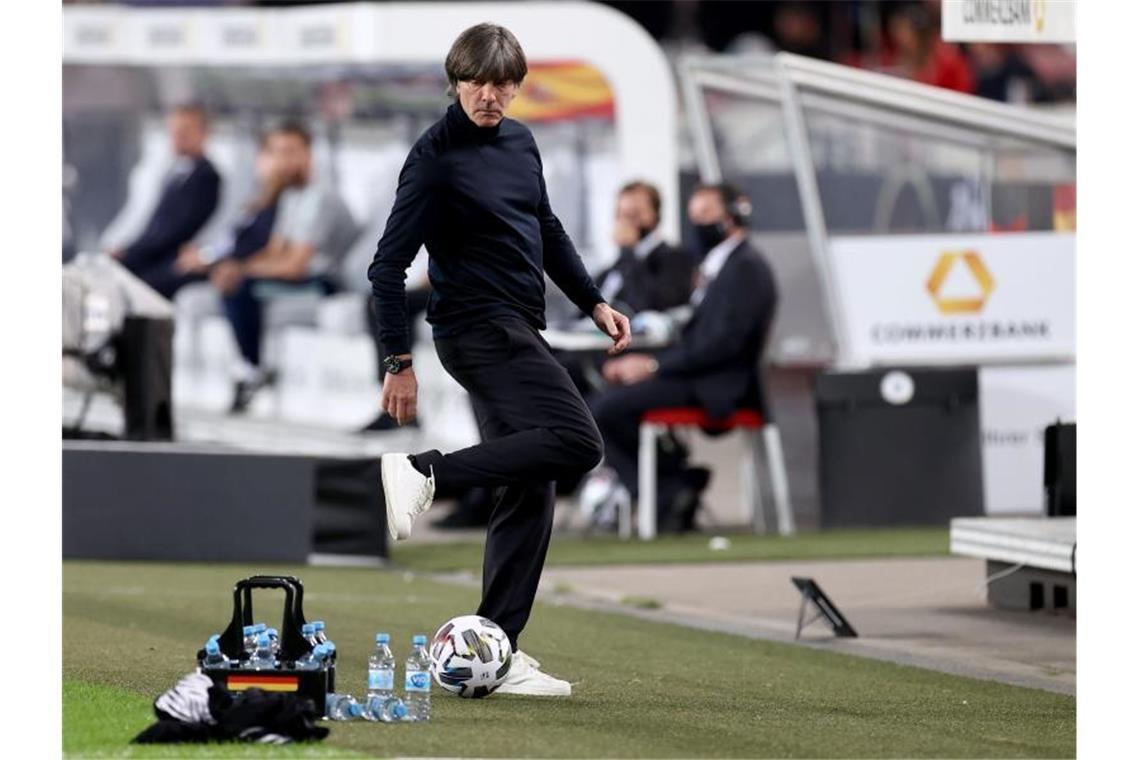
{"points": [[470, 656]]}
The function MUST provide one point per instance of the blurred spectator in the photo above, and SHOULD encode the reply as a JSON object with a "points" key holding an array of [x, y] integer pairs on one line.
{"points": [[921, 53], [714, 365], [796, 28], [649, 274], [188, 198], [252, 230], [1002, 73], [312, 229]]}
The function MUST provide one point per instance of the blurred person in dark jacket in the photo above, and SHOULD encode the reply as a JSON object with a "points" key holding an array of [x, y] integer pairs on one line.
{"points": [[188, 199], [716, 363], [1002, 74], [649, 274]]}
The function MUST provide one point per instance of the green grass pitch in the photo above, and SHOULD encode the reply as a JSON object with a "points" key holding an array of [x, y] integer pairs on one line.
{"points": [[642, 689]]}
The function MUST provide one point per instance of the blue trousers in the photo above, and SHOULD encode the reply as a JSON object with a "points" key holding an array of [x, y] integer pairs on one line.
{"points": [[245, 310]]}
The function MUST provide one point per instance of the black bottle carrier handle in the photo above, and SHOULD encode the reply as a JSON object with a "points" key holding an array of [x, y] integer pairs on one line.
{"points": [[314, 684]]}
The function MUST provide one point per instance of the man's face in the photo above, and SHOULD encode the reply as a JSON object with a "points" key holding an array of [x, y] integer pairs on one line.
{"points": [[485, 103], [291, 156], [635, 209], [706, 207], [904, 35], [268, 167], [187, 132]]}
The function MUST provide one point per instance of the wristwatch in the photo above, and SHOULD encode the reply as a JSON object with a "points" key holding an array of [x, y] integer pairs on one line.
{"points": [[395, 365]]}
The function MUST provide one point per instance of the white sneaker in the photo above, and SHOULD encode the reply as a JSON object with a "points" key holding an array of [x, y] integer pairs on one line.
{"points": [[524, 677], [407, 493]]}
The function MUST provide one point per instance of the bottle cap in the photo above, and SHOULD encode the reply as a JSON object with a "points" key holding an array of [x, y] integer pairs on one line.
{"points": [[331, 646], [419, 640], [258, 627], [321, 651], [319, 625], [308, 629], [215, 637], [382, 638], [263, 640], [272, 633], [212, 646], [247, 630], [400, 710]]}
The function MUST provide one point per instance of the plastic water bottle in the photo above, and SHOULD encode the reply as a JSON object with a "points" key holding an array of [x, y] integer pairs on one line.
{"points": [[417, 680], [215, 660], [274, 640], [248, 640], [319, 631], [382, 669], [342, 707], [309, 634], [315, 659], [385, 709], [262, 658]]}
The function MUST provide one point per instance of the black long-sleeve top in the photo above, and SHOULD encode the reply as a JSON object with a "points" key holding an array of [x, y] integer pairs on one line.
{"points": [[475, 196]]}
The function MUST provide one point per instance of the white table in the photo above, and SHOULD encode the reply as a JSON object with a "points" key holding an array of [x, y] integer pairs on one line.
{"points": [[595, 341]]}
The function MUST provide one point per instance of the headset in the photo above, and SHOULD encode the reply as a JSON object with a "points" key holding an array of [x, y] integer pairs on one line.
{"points": [[736, 203]]}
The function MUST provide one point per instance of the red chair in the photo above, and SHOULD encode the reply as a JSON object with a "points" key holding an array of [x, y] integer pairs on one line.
{"points": [[756, 431]]}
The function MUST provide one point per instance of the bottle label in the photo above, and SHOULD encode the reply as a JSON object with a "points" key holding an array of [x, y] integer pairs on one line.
{"points": [[417, 680], [381, 680]]}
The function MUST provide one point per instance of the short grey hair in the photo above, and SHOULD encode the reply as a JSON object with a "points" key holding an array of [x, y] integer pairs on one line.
{"points": [[485, 53]]}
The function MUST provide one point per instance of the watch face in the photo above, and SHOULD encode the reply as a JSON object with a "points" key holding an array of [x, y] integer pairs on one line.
{"points": [[392, 364]]}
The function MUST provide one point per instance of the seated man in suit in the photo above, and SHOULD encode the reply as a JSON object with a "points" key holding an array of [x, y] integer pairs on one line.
{"points": [[649, 274], [715, 364], [188, 199], [313, 227]]}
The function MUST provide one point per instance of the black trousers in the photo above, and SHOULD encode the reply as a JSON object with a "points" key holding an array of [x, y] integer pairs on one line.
{"points": [[618, 411], [536, 429]]}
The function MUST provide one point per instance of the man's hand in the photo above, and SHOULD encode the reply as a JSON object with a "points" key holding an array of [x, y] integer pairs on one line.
{"points": [[189, 260], [226, 276], [625, 234], [398, 398], [627, 370], [614, 324]]}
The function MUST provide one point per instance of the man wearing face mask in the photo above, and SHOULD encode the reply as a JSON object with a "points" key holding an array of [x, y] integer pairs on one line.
{"points": [[649, 274], [716, 363]]}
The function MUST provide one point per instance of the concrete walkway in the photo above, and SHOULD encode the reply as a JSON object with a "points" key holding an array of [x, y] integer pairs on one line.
{"points": [[929, 612]]}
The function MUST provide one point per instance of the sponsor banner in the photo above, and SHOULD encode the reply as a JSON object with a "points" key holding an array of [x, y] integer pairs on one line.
{"points": [[1015, 405], [91, 37], [956, 299], [318, 34], [161, 35], [238, 35], [1009, 20]]}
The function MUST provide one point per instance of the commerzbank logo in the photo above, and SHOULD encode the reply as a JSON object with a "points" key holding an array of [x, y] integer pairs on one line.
{"points": [[944, 284]]}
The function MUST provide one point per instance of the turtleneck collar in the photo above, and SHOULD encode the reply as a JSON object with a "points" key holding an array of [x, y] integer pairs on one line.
{"points": [[458, 118]]}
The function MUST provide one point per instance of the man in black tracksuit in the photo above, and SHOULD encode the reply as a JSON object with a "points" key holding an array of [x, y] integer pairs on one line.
{"points": [[472, 191]]}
